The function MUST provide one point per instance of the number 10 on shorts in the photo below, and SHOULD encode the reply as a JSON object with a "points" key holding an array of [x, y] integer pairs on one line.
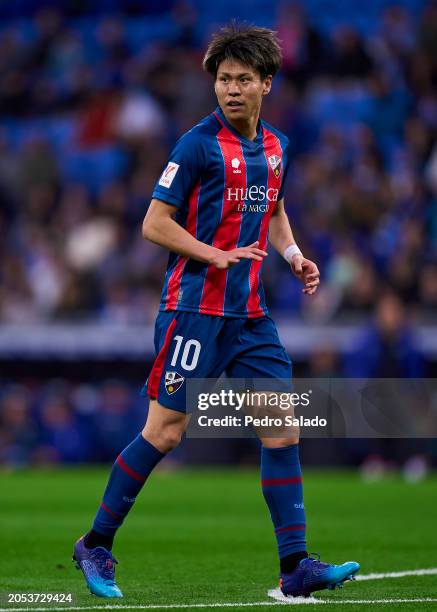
{"points": [[190, 353]]}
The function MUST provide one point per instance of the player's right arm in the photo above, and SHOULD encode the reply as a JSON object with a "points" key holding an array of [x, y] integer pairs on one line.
{"points": [[160, 227]]}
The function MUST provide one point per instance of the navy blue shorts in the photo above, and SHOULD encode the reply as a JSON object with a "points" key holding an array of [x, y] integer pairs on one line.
{"points": [[191, 345]]}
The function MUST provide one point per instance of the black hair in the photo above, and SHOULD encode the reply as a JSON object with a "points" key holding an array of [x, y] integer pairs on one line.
{"points": [[253, 46]]}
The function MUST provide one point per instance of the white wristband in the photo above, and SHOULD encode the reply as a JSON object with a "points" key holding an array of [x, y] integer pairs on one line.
{"points": [[290, 251]]}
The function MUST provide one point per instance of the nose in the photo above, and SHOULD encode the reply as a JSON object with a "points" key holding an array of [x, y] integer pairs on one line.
{"points": [[234, 88]]}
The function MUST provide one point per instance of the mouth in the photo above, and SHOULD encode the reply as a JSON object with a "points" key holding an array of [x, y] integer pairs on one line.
{"points": [[234, 104]]}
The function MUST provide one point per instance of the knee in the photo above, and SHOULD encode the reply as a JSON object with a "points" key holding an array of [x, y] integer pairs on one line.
{"points": [[171, 438], [279, 442], [164, 439]]}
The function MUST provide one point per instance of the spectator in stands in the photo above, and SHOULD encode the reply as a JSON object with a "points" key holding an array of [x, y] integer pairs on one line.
{"points": [[18, 430], [62, 437], [387, 348], [118, 419]]}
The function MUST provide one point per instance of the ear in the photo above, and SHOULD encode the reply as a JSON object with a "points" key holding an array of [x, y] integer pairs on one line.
{"points": [[267, 85]]}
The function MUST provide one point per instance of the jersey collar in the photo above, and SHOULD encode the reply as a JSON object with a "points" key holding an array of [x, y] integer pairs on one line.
{"points": [[259, 129]]}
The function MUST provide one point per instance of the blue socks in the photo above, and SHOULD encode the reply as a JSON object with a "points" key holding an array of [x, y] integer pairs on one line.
{"points": [[281, 485], [129, 473], [281, 478]]}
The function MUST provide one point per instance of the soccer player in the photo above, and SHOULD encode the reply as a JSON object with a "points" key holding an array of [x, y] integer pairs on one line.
{"points": [[218, 202]]}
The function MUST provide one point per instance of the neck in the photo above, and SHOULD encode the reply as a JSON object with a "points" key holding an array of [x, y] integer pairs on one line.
{"points": [[247, 126]]}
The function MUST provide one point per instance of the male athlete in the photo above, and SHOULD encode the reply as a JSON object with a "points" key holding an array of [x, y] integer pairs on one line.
{"points": [[217, 200]]}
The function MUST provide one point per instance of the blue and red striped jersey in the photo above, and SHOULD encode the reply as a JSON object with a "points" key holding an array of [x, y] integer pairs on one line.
{"points": [[225, 188]]}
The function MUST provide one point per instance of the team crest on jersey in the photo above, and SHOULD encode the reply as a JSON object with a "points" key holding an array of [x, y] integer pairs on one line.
{"points": [[173, 382], [275, 164]]}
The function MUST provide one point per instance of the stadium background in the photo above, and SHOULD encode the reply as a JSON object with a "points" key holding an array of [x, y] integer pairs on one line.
{"points": [[92, 97]]}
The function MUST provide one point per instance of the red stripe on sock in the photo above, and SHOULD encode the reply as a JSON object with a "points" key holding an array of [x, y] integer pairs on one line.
{"points": [[158, 366], [228, 232], [273, 482], [174, 282], [132, 473], [114, 515], [290, 528], [272, 146]]}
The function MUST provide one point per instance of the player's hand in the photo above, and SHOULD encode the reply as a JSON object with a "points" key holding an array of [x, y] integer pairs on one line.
{"points": [[307, 271], [226, 259]]}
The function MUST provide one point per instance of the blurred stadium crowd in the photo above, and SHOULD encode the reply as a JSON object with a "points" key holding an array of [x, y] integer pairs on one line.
{"points": [[91, 101], [59, 422], [91, 105], [45, 423]]}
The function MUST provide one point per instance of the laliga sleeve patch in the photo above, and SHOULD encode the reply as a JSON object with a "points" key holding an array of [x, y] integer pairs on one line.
{"points": [[168, 175]]}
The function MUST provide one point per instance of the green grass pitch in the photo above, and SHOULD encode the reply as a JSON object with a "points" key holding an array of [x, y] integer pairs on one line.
{"points": [[205, 536]]}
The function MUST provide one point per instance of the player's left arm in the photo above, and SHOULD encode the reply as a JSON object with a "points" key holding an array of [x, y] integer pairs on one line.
{"points": [[282, 239]]}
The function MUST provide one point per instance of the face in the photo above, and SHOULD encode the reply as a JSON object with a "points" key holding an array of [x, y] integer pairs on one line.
{"points": [[240, 90]]}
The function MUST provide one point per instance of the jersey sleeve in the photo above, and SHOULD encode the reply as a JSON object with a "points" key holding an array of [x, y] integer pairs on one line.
{"points": [[286, 165], [182, 171]]}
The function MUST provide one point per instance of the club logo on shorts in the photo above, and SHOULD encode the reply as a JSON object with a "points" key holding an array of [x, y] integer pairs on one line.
{"points": [[275, 164], [173, 382]]}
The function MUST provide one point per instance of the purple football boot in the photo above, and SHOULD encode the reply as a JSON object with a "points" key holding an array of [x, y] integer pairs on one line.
{"points": [[98, 567], [314, 575]]}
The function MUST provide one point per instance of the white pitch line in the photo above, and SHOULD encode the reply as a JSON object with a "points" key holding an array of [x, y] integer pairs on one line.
{"points": [[150, 606], [421, 572], [299, 601], [296, 601]]}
